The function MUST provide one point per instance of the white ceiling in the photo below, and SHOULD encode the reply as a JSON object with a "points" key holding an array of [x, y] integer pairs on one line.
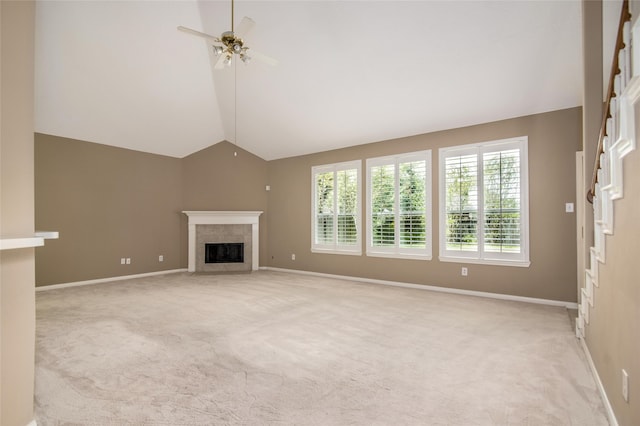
{"points": [[350, 72]]}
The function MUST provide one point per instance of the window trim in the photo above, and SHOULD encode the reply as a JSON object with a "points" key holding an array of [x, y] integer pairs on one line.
{"points": [[335, 248], [396, 251], [480, 256]]}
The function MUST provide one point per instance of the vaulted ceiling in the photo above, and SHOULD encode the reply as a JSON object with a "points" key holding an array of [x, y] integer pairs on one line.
{"points": [[350, 72]]}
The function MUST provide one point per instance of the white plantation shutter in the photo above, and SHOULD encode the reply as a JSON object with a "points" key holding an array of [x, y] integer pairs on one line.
{"points": [[502, 216], [324, 202], [399, 206], [336, 208], [412, 203], [382, 205], [461, 189], [346, 188], [484, 203]]}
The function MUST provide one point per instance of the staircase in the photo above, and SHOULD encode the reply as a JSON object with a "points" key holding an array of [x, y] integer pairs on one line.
{"points": [[617, 139]]}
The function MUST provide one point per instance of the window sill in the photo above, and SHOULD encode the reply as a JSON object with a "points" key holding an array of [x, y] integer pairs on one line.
{"points": [[330, 251], [493, 262], [400, 256]]}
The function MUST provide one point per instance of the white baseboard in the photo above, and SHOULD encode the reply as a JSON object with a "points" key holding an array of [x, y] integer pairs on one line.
{"points": [[568, 305], [105, 280], [603, 394]]}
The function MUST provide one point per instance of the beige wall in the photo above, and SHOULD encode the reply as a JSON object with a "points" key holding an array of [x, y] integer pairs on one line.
{"points": [[107, 203], [612, 334], [17, 299], [553, 140], [216, 179]]}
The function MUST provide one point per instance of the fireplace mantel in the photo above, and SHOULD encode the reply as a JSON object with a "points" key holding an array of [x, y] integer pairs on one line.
{"points": [[223, 218]]}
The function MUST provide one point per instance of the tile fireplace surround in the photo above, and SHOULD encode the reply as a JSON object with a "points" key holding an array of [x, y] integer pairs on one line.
{"points": [[204, 219]]}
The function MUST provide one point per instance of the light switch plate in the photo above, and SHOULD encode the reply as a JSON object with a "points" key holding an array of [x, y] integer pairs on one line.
{"points": [[568, 207]]}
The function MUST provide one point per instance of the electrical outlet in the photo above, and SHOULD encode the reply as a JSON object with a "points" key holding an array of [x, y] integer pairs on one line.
{"points": [[465, 271], [128, 261], [625, 385], [161, 258], [123, 261], [293, 257]]}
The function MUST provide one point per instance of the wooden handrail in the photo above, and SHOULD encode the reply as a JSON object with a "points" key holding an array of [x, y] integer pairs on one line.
{"points": [[625, 16]]}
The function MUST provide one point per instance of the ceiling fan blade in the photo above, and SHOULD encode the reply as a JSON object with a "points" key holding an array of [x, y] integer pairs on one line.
{"points": [[262, 57], [198, 33], [244, 27]]}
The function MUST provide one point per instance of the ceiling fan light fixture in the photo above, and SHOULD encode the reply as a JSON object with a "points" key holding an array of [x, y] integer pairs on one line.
{"points": [[245, 58], [227, 60], [217, 50]]}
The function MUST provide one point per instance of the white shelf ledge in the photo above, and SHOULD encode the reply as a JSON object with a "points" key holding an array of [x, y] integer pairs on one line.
{"points": [[48, 235], [17, 243], [25, 242]]}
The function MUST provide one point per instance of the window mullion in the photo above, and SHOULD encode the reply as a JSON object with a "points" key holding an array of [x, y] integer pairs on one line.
{"points": [[460, 204], [481, 206], [501, 218], [396, 206], [336, 208]]}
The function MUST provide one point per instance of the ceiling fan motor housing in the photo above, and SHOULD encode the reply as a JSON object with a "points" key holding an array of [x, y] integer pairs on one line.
{"points": [[233, 43]]}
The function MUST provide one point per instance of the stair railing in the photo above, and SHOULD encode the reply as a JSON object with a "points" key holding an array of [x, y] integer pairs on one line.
{"points": [[625, 16]]}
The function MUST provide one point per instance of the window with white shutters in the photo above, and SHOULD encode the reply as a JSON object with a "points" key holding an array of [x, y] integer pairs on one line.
{"points": [[336, 208], [399, 206], [484, 203]]}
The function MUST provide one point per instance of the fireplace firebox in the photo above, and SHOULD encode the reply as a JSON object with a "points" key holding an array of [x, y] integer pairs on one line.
{"points": [[224, 253]]}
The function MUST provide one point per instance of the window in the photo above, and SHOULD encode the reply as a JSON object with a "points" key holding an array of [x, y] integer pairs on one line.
{"points": [[399, 206], [484, 203], [336, 208]]}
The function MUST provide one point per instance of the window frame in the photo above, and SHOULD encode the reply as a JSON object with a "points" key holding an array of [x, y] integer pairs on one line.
{"points": [[336, 248], [481, 256], [397, 251]]}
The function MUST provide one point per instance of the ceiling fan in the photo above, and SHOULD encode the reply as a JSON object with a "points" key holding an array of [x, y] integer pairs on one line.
{"points": [[231, 43]]}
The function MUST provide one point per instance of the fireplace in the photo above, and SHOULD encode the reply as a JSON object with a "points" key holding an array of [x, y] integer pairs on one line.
{"points": [[224, 253], [223, 241]]}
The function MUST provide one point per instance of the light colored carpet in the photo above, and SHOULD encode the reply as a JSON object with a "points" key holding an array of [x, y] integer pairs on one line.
{"points": [[272, 348]]}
